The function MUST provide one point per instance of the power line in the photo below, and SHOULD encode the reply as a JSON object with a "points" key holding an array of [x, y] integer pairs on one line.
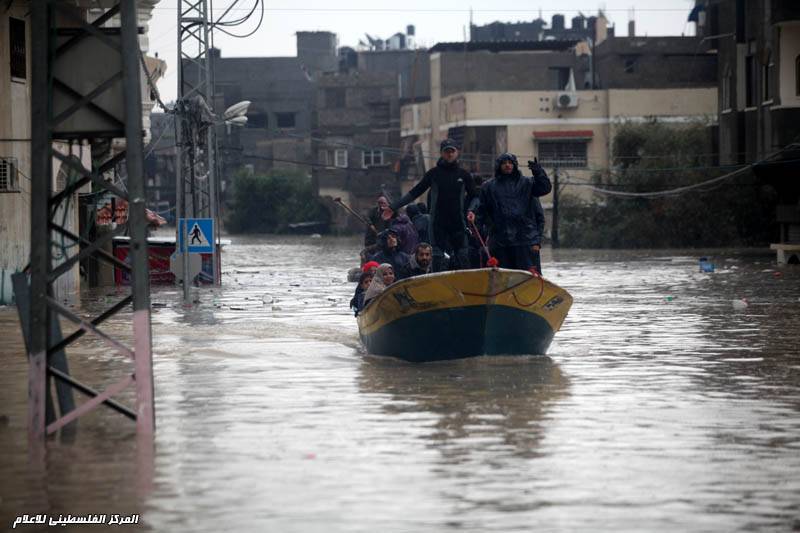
{"points": [[686, 188], [305, 163], [433, 157], [219, 26], [152, 84], [442, 10], [594, 188], [155, 143]]}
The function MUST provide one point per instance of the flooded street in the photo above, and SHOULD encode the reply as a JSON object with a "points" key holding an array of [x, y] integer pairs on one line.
{"points": [[660, 407]]}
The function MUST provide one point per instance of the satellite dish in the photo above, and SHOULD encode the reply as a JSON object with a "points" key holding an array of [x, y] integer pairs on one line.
{"points": [[237, 110]]}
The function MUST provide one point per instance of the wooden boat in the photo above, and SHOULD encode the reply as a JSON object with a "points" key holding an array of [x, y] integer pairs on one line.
{"points": [[464, 313]]}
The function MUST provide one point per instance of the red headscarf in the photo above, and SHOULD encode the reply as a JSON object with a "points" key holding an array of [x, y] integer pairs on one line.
{"points": [[369, 264]]}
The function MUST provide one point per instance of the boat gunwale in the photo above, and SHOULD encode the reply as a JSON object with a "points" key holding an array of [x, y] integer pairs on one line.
{"points": [[449, 272]]}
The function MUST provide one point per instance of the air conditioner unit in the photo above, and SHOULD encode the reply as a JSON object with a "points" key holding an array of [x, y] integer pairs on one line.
{"points": [[567, 100]]}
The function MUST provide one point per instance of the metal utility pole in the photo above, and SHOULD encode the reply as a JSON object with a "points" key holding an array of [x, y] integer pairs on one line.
{"points": [[85, 85], [554, 232], [196, 186]]}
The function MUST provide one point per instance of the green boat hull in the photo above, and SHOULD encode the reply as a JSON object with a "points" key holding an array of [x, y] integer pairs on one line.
{"points": [[459, 332]]}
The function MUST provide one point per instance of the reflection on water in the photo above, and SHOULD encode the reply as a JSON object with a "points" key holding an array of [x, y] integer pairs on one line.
{"points": [[659, 408], [497, 402]]}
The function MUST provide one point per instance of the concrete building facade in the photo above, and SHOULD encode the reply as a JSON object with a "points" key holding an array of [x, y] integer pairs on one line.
{"points": [[758, 43], [524, 108], [654, 63], [282, 92], [15, 149], [356, 133]]}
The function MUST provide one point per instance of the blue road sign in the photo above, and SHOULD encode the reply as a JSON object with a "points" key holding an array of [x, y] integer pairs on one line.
{"points": [[198, 233]]}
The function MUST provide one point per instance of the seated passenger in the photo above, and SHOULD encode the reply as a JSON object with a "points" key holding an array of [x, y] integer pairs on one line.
{"points": [[390, 251], [383, 278], [357, 303], [420, 262], [421, 220], [406, 233], [370, 266]]}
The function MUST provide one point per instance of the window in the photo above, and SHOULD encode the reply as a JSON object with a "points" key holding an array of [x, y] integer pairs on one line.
{"points": [[323, 158], [727, 81], [285, 120], [8, 174], [257, 120], [558, 77], [563, 154], [16, 32], [371, 158], [335, 98], [340, 158], [380, 113], [797, 75], [750, 81], [766, 78], [629, 64]]}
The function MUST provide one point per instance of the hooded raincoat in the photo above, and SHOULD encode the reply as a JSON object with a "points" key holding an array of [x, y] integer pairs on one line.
{"points": [[510, 204]]}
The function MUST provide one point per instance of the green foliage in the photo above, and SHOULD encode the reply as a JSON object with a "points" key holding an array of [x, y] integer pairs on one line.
{"points": [[268, 204], [655, 157]]}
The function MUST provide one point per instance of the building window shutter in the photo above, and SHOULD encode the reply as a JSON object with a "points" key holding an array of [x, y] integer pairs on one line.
{"points": [[563, 154], [19, 64], [8, 175]]}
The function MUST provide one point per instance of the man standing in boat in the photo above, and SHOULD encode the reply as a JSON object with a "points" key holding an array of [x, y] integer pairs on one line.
{"points": [[452, 189], [510, 203], [377, 222]]}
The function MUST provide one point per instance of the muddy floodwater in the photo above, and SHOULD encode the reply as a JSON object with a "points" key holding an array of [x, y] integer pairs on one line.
{"points": [[662, 406]]}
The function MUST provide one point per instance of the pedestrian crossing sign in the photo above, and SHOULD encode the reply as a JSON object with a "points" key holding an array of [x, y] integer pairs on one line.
{"points": [[196, 235]]}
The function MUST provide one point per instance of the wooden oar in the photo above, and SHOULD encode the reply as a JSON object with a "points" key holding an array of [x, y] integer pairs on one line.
{"points": [[359, 217]]}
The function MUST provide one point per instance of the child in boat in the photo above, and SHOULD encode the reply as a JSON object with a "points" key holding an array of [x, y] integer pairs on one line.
{"points": [[383, 278], [364, 281]]}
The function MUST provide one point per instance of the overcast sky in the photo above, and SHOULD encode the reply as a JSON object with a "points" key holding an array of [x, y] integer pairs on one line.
{"points": [[440, 21]]}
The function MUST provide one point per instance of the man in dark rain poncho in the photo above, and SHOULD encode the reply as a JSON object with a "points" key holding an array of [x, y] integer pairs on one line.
{"points": [[509, 203]]}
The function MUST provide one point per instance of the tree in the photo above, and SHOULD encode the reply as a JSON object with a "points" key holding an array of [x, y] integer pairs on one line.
{"points": [[660, 157], [269, 203]]}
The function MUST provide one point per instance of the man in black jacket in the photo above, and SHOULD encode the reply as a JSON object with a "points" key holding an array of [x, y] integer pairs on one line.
{"points": [[509, 201], [452, 190]]}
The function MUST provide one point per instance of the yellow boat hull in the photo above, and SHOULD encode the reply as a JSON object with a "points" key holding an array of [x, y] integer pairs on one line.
{"points": [[464, 313]]}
